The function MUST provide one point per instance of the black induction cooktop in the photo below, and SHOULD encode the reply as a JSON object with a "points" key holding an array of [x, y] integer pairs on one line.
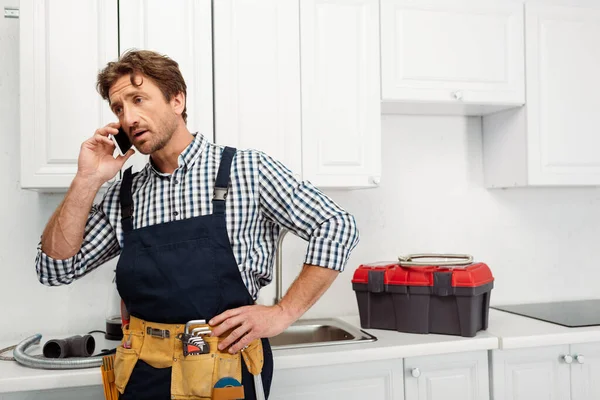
{"points": [[566, 313]]}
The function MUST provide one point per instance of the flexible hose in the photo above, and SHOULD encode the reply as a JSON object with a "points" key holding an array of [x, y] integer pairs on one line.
{"points": [[51, 363]]}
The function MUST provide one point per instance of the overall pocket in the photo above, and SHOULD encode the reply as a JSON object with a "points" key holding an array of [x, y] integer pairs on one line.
{"points": [[170, 265], [125, 360]]}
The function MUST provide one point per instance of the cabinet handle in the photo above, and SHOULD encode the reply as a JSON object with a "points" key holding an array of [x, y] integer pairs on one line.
{"points": [[416, 372], [568, 359], [375, 180], [580, 359], [458, 95]]}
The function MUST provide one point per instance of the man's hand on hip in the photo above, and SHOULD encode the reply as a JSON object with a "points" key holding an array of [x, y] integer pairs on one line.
{"points": [[249, 323]]}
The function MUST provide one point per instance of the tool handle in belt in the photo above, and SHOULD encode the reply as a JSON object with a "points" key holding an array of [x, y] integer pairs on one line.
{"points": [[124, 314]]}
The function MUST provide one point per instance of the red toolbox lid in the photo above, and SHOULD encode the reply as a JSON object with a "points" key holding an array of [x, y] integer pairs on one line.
{"points": [[361, 274], [473, 275]]}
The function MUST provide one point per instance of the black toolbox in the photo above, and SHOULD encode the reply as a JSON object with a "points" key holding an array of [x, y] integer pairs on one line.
{"points": [[424, 299]]}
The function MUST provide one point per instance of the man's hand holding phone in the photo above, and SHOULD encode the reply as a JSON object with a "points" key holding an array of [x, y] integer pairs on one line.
{"points": [[96, 163]]}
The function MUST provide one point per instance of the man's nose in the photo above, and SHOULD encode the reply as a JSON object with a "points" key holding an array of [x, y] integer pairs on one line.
{"points": [[130, 118]]}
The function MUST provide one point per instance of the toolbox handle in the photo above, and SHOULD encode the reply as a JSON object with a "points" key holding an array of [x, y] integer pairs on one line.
{"points": [[457, 259]]}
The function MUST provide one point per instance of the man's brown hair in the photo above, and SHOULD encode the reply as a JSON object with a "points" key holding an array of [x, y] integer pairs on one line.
{"points": [[162, 70]]}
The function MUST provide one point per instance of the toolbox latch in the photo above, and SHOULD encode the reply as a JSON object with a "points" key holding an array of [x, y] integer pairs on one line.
{"points": [[442, 283], [376, 281]]}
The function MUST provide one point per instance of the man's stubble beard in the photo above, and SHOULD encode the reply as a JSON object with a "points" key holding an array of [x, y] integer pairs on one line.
{"points": [[168, 128]]}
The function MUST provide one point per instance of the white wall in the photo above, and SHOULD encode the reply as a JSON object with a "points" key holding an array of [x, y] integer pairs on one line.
{"points": [[26, 306], [539, 242]]}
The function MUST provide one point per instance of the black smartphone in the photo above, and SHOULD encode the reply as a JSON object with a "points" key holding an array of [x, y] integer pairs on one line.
{"points": [[122, 142]]}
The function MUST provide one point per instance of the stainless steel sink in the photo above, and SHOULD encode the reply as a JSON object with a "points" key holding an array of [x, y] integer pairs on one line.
{"points": [[311, 332], [319, 332]]}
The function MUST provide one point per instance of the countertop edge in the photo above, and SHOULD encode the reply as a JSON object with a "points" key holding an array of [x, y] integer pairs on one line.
{"points": [[555, 339], [385, 353]]}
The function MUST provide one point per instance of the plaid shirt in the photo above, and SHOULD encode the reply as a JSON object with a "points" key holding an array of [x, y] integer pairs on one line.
{"points": [[263, 198]]}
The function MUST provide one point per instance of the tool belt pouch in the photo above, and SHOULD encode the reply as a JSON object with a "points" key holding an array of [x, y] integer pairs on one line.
{"points": [[126, 356], [197, 375], [193, 376], [254, 357]]}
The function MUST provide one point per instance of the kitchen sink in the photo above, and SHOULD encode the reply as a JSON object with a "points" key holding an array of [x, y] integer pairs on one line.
{"points": [[319, 332]]}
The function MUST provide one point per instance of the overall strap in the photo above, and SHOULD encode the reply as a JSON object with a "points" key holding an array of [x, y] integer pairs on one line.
{"points": [[222, 181], [126, 201]]}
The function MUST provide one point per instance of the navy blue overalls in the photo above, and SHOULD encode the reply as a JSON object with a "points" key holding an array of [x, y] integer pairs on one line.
{"points": [[180, 271]]}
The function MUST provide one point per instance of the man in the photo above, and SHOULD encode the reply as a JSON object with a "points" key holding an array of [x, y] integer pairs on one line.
{"points": [[196, 231]]}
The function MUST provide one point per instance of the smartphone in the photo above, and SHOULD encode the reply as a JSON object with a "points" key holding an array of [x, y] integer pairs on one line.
{"points": [[121, 141]]}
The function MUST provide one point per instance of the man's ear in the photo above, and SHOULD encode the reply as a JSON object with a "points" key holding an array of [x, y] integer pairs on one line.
{"points": [[178, 103]]}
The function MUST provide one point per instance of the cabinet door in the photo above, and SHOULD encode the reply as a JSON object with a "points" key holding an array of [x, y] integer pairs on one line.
{"points": [[562, 94], [468, 52], [63, 44], [181, 30], [585, 371], [257, 77], [341, 104], [460, 376], [377, 380], [534, 373]]}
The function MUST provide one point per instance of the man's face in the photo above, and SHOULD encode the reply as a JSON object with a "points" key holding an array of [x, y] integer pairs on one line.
{"points": [[147, 118]]}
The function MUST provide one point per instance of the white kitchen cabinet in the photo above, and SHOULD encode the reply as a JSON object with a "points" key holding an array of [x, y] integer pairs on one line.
{"points": [[257, 77], [189, 42], [341, 108], [533, 373], [460, 376], [373, 380], [585, 371], [553, 140], [289, 84], [286, 81], [60, 107], [441, 57], [63, 44]]}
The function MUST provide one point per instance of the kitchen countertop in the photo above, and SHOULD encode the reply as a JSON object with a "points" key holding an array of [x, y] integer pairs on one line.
{"points": [[390, 345], [515, 331]]}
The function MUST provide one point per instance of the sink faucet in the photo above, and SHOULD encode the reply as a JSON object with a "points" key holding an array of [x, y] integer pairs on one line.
{"points": [[278, 266]]}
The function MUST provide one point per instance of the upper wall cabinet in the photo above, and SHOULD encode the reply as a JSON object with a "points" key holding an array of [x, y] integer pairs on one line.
{"points": [[63, 44], [299, 80], [288, 83], [257, 77], [554, 139], [188, 42], [441, 57], [341, 113]]}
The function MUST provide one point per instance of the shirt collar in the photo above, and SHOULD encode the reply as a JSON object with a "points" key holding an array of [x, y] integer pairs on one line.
{"points": [[189, 155]]}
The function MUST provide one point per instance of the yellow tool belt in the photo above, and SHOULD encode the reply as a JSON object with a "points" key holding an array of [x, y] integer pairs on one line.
{"points": [[193, 376]]}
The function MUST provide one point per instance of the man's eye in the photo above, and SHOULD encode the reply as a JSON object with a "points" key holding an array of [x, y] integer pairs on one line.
{"points": [[138, 100], [118, 110]]}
